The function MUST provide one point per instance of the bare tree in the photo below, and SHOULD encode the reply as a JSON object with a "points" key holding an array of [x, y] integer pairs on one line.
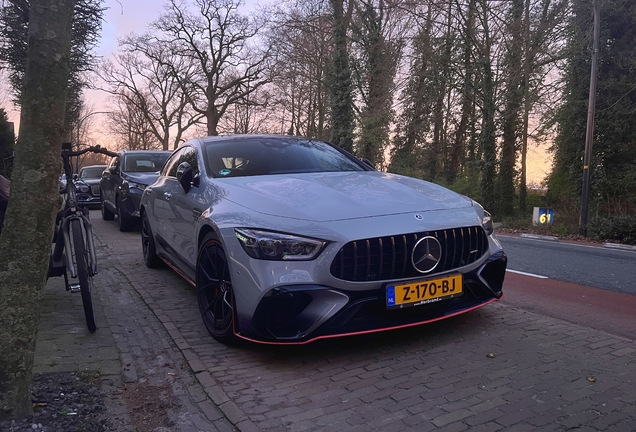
{"points": [[80, 135], [302, 44], [254, 114], [148, 75], [222, 44], [544, 27], [129, 123]]}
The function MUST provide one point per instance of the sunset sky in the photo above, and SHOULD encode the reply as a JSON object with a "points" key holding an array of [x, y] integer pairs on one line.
{"points": [[125, 16]]}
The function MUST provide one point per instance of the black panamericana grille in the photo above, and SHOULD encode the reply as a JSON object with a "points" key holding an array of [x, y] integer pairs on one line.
{"points": [[384, 258]]}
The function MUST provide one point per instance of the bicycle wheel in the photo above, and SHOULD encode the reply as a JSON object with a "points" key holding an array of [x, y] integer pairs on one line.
{"points": [[85, 279]]}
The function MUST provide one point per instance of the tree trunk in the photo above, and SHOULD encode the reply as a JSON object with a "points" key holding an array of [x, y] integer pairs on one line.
{"points": [[26, 240], [511, 111], [459, 146], [487, 142], [342, 120], [526, 111]]}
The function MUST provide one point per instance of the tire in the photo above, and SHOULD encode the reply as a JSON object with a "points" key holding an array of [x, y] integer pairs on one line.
{"points": [[107, 215], [215, 294], [83, 274], [151, 258], [125, 223]]}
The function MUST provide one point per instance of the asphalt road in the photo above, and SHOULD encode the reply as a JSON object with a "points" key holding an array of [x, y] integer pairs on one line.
{"points": [[593, 266]]}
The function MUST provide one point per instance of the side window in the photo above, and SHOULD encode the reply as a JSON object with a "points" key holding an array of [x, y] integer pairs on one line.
{"points": [[170, 168], [190, 156], [184, 154], [114, 165]]}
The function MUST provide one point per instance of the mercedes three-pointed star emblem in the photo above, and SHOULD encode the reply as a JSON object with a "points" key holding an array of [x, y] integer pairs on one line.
{"points": [[426, 254]]}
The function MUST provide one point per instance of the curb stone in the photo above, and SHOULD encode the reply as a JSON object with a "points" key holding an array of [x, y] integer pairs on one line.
{"points": [[540, 237], [619, 246]]}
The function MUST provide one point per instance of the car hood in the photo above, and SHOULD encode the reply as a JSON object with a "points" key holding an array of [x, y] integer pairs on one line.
{"points": [[324, 197], [145, 178]]}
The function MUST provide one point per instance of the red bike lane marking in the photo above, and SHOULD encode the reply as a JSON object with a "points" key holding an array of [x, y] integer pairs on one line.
{"points": [[600, 309]]}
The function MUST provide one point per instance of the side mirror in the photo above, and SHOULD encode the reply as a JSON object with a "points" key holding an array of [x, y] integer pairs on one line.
{"points": [[185, 176], [75, 177]]}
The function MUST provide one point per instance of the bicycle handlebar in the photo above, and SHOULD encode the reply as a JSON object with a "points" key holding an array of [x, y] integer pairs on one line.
{"points": [[94, 149]]}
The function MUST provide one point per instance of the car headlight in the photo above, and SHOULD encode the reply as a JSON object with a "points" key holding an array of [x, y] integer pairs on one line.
{"points": [[486, 217], [82, 187], [133, 185], [275, 246], [486, 222]]}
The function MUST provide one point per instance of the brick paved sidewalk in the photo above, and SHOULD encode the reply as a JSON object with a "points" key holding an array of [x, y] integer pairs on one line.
{"points": [[132, 352], [499, 368]]}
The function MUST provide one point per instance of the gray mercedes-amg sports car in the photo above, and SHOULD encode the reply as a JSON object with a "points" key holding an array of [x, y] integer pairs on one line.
{"points": [[290, 240]]}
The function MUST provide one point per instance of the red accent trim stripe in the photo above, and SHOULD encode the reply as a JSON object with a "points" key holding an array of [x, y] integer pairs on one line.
{"points": [[187, 279], [367, 331], [337, 335]]}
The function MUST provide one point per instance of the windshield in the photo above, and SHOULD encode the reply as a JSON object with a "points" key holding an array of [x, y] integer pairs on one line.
{"points": [[144, 162], [92, 172], [277, 155]]}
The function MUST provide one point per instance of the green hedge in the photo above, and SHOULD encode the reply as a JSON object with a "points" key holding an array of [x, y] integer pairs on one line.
{"points": [[617, 228]]}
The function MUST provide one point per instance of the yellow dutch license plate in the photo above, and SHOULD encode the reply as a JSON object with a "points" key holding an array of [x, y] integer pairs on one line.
{"points": [[423, 292]]}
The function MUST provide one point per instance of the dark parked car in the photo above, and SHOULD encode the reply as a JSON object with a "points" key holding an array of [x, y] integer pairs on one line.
{"points": [[5, 187], [290, 240], [123, 182], [87, 185]]}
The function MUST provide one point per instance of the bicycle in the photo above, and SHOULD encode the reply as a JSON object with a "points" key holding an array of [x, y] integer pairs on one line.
{"points": [[74, 251]]}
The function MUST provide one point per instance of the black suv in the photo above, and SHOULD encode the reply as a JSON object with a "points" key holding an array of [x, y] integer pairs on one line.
{"points": [[124, 181], [87, 185]]}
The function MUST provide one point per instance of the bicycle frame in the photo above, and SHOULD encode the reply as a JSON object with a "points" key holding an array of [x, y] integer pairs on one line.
{"points": [[62, 258], [64, 247]]}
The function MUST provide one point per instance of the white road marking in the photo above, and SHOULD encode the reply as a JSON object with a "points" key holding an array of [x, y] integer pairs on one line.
{"points": [[527, 274]]}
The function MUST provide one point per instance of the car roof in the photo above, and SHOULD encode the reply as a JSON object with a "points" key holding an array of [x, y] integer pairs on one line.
{"points": [[144, 151], [225, 138]]}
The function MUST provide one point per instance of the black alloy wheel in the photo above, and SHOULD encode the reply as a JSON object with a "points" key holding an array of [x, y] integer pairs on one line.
{"points": [[107, 215], [214, 290], [151, 258], [124, 221]]}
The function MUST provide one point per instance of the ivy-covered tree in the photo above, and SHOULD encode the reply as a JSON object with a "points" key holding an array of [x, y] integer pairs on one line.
{"points": [[339, 81], [407, 154], [513, 98], [374, 70]]}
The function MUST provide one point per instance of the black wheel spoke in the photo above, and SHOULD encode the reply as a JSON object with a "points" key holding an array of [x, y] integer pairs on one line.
{"points": [[214, 291]]}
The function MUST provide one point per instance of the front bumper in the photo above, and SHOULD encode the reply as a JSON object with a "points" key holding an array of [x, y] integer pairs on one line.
{"points": [[299, 314], [91, 197], [88, 199], [130, 203]]}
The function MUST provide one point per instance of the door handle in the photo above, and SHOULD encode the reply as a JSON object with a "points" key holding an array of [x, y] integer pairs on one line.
{"points": [[168, 195]]}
